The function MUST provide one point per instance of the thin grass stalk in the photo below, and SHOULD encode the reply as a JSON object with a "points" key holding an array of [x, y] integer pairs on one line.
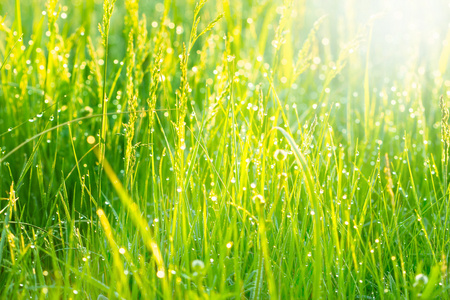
{"points": [[108, 6]]}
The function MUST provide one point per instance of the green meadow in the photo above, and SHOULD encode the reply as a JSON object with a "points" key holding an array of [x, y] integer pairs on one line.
{"points": [[224, 149]]}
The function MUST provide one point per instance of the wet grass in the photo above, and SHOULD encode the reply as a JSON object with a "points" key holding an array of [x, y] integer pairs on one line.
{"points": [[224, 149]]}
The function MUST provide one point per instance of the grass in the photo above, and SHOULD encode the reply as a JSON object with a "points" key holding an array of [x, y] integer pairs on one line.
{"points": [[224, 149]]}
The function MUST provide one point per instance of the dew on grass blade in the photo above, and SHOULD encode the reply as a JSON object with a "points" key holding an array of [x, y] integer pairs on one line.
{"points": [[259, 199], [420, 280], [90, 139], [160, 274], [198, 265]]}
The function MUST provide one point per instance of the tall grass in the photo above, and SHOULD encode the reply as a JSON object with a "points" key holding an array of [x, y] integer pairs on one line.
{"points": [[221, 149]]}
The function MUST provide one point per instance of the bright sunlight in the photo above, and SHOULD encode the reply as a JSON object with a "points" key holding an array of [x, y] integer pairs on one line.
{"points": [[224, 149]]}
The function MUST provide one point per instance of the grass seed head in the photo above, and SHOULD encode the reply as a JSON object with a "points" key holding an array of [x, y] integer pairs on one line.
{"points": [[445, 128]]}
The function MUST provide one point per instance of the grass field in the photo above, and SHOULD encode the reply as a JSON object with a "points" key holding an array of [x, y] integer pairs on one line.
{"points": [[224, 149]]}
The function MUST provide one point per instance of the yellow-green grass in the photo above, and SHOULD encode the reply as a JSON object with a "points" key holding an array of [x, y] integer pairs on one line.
{"points": [[224, 149]]}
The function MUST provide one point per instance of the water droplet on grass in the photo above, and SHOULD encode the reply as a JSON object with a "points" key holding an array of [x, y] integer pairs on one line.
{"points": [[160, 274]]}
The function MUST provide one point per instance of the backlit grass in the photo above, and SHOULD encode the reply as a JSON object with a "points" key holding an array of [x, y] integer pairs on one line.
{"points": [[224, 149]]}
